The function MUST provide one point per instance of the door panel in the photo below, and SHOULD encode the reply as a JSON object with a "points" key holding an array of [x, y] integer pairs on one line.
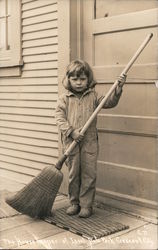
{"points": [[106, 8], [112, 32]]}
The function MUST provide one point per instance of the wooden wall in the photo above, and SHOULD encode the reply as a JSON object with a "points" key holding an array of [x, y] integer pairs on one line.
{"points": [[28, 133], [127, 163]]}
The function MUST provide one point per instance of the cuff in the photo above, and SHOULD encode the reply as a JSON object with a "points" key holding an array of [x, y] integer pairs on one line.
{"points": [[69, 131], [118, 94]]}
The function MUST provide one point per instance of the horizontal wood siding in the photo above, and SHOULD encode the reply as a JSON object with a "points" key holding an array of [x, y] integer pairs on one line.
{"points": [[28, 132]]}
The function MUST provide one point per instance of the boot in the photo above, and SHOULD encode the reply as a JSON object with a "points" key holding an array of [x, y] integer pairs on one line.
{"points": [[85, 212], [73, 209]]}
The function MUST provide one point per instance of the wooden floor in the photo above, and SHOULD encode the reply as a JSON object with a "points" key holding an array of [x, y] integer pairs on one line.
{"points": [[23, 232]]}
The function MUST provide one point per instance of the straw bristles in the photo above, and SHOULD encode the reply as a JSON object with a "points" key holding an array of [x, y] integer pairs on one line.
{"points": [[36, 198]]}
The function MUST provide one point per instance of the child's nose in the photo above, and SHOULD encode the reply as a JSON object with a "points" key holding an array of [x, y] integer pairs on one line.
{"points": [[78, 80]]}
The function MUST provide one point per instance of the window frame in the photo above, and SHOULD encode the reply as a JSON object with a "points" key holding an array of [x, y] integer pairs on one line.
{"points": [[13, 56]]}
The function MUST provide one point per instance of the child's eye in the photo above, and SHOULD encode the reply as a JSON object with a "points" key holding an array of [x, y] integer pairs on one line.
{"points": [[76, 78]]}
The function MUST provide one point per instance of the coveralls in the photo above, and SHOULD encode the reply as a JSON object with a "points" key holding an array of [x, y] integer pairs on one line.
{"points": [[72, 113]]}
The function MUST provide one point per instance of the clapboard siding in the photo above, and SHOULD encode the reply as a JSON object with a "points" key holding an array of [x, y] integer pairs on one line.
{"points": [[37, 19], [28, 111], [20, 169], [40, 26], [27, 155], [40, 50], [29, 141], [40, 42], [40, 58], [28, 104], [28, 131], [32, 127], [40, 65], [32, 89], [40, 34], [29, 96], [23, 178], [30, 134], [37, 4], [34, 82], [28, 149], [27, 118], [39, 11], [40, 73], [27, 162]]}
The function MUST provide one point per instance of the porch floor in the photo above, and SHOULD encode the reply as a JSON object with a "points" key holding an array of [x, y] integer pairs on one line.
{"points": [[23, 232]]}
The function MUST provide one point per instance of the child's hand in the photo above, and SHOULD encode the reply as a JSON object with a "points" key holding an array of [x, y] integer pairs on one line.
{"points": [[122, 80], [76, 135]]}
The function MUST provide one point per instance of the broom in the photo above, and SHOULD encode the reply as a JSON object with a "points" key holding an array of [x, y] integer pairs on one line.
{"points": [[36, 198]]}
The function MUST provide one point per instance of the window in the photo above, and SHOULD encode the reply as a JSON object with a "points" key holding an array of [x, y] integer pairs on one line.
{"points": [[4, 23], [10, 33]]}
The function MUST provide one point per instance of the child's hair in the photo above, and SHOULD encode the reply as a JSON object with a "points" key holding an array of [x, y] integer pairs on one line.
{"points": [[76, 68]]}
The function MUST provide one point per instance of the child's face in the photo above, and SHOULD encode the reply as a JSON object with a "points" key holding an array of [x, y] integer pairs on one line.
{"points": [[79, 83]]}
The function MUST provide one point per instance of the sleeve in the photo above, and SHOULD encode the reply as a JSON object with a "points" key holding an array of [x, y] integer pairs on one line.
{"points": [[61, 117], [112, 100]]}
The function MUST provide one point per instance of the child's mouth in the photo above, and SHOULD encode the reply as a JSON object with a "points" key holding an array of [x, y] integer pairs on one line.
{"points": [[79, 88]]}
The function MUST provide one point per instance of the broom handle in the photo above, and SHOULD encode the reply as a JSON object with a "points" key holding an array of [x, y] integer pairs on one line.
{"points": [[99, 107]]}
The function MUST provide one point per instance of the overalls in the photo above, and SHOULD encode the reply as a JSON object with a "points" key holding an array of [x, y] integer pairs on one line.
{"points": [[72, 113]]}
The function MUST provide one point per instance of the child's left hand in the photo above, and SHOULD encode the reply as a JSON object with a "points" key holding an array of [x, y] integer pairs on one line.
{"points": [[121, 80]]}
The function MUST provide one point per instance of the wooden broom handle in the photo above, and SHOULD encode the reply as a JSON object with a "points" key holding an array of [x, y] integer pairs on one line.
{"points": [[99, 107]]}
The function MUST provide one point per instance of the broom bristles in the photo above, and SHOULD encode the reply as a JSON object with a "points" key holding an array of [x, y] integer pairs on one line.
{"points": [[36, 198]]}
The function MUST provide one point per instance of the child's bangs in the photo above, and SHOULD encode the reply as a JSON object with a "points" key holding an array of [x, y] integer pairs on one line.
{"points": [[78, 70]]}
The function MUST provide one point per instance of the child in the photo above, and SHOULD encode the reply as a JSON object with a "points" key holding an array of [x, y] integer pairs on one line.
{"points": [[72, 112]]}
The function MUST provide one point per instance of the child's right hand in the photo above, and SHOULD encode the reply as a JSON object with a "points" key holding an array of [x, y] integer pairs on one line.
{"points": [[75, 134]]}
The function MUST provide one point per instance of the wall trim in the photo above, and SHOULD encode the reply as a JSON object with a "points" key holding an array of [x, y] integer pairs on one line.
{"points": [[127, 198], [152, 171], [134, 20]]}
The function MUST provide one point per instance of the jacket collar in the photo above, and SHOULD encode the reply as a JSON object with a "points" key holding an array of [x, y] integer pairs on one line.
{"points": [[70, 93]]}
